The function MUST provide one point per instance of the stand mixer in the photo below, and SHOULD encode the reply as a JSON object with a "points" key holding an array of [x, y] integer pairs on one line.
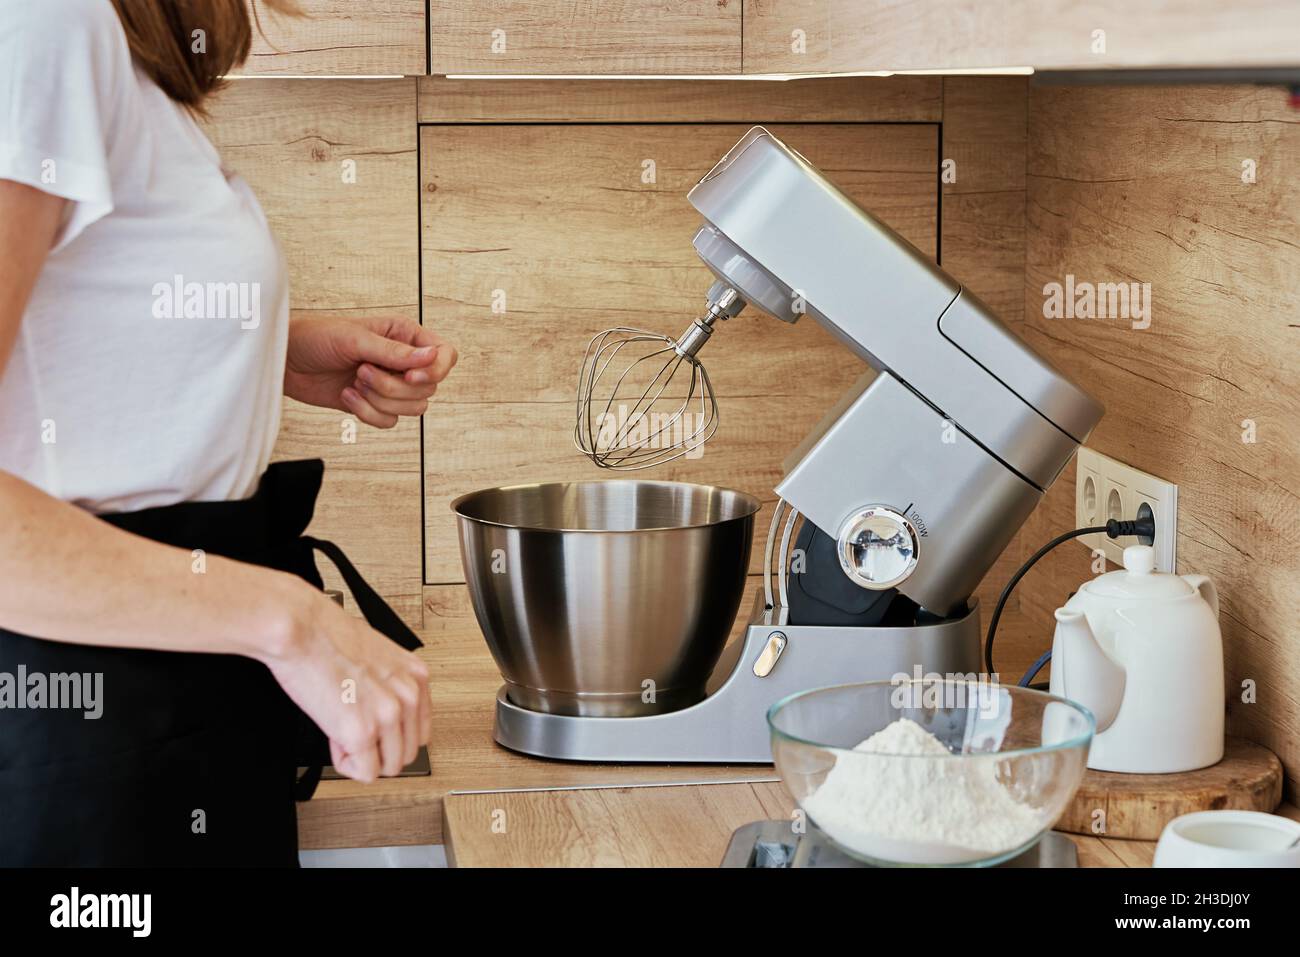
{"points": [[890, 511]]}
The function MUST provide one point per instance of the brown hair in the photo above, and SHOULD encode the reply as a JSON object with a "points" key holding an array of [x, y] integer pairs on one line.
{"points": [[186, 46]]}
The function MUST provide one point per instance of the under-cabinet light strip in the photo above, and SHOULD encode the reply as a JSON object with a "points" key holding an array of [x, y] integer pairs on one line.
{"points": [[974, 71], [313, 76]]}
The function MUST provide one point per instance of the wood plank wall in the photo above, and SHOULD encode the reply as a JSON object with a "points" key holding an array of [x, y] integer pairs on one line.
{"points": [[1105, 183], [599, 248], [1145, 184], [352, 250], [351, 244], [477, 180]]}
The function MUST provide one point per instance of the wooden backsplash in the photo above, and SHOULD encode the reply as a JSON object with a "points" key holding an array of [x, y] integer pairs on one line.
{"points": [[556, 223], [334, 166], [519, 188], [1151, 185], [532, 190]]}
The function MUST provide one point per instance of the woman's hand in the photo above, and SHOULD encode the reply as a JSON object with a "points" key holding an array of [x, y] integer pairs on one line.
{"points": [[369, 695], [377, 369]]}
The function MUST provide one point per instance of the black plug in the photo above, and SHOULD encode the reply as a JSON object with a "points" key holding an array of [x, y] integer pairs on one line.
{"points": [[1144, 526]]}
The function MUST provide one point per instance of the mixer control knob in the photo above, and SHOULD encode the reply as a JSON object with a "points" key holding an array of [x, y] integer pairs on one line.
{"points": [[878, 547]]}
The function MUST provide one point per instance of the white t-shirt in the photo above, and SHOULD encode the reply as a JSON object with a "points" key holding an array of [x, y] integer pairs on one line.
{"points": [[149, 364]]}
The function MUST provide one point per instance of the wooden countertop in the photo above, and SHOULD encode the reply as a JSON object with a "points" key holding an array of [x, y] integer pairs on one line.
{"points": [[646, 827], [649, 826], [463, 757], [558, 812]]}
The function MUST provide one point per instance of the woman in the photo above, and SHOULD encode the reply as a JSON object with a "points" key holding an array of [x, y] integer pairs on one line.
{"points": [[162, 629]]}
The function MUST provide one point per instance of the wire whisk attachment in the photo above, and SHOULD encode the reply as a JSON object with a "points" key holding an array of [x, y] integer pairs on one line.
{"points": [[645, 399]]}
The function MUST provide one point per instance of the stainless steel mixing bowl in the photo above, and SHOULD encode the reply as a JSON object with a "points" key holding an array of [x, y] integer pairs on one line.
{"points": [[606, 598]]}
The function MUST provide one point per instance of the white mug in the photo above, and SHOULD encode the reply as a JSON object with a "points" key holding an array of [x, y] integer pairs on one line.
{"points": [[1229, 839]]}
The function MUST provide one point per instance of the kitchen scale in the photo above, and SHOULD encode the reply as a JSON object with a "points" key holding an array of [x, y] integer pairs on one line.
{"points": [[772, 844]]}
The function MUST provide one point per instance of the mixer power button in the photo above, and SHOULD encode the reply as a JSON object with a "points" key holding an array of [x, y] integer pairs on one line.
{"points": [[766, 659]]}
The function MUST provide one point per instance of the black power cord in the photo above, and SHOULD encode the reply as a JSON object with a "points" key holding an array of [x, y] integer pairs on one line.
{"points": [[1144, 527]]}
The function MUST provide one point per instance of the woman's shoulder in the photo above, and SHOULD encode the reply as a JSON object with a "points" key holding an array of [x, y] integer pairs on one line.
{"points": [[64, 45], [65, 13], [39, 23]]}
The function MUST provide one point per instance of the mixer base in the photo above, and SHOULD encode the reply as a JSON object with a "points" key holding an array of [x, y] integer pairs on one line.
{"points": [[729, 726]]}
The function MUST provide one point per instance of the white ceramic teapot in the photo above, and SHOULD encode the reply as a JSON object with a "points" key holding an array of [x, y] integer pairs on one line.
{"points": [[1143, 652]]}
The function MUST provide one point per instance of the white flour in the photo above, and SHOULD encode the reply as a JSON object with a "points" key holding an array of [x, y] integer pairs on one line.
{"points": [[938, 809]]}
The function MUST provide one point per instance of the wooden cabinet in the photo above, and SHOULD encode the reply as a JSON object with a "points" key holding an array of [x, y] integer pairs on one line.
{"points": [[795, 36], [593, 36], [334, 165], [340, 38], [811, 36], [707, 37]]}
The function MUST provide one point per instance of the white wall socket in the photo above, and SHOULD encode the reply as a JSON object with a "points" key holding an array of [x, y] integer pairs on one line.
{"points": [[1106, 489]]}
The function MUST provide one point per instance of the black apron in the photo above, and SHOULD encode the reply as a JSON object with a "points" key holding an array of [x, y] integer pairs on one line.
{"points": [[194, 759]]}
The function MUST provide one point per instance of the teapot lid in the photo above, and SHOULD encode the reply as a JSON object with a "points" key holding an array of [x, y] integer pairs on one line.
{"points": [[1138, 579]]}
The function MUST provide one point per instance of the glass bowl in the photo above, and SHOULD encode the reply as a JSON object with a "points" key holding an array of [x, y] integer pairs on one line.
{"points": [[966, 773]]}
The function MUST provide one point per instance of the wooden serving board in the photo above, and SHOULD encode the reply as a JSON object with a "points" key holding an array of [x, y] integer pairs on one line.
{"points": [[1138, 806]]}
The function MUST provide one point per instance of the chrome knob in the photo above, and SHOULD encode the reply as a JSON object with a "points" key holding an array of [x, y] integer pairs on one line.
{"points": [[768, 657], [878, 547]]}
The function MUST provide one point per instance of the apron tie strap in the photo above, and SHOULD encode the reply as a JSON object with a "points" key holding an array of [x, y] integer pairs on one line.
{"points": [[378, 615], [375, 610], [304, 787]]}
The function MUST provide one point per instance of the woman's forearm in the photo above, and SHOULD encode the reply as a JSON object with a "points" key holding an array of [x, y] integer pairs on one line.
{"points": [[67, 576]]}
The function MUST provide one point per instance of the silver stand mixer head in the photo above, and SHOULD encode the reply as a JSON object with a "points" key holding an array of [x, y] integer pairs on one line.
{"points": [[628, 416]]}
